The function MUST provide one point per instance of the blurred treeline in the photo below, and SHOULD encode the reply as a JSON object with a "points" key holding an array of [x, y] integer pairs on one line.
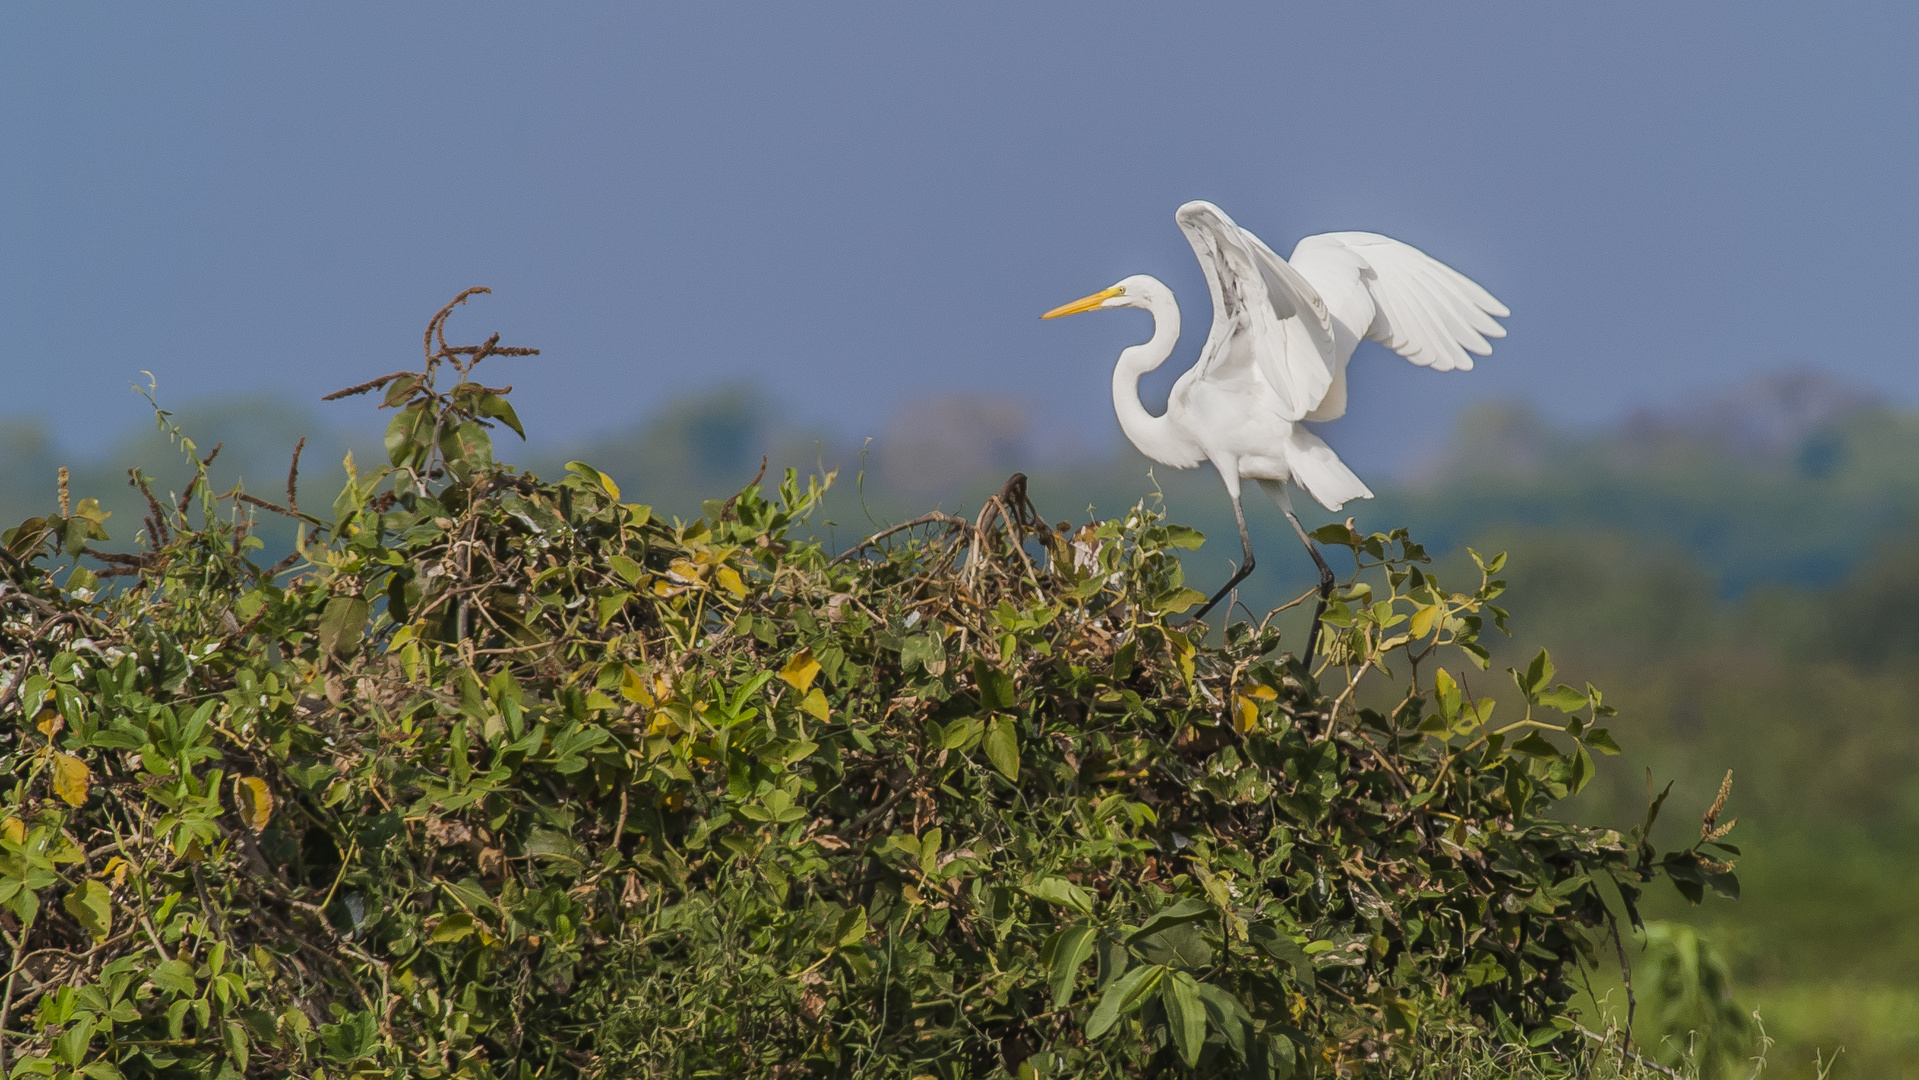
{"points": [[1741, 576]]}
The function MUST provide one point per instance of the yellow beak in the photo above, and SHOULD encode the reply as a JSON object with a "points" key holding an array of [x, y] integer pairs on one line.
{"points": [[1085, 303]]}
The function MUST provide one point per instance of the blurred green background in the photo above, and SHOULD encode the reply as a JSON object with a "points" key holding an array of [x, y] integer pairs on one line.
{"points": [[1740, 574]]}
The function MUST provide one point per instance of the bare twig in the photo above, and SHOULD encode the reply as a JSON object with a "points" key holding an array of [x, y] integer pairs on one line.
{"points": [[924, 519], [727, 507]]}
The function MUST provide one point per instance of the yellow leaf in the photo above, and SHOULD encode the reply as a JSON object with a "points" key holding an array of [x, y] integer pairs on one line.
{"points": [[815, 704], [1245, 713], [401, 636], [633, 687], [606, 482], [14, 830], [116, 870], [800, 671], [730, 580], [49, 723], [662, 724], [683, 571], [1423, 620], [70, 779], [256, 802]]}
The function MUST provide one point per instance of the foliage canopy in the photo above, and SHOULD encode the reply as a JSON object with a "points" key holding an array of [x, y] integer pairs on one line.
{"points": [[506, 776]]}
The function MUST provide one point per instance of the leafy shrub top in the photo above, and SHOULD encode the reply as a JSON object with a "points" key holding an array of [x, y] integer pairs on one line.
{"points": [[500, 775]]}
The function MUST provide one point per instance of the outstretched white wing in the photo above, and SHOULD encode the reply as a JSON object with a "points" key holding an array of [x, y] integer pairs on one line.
{"points": [[1423, 309], [1268, 322]]}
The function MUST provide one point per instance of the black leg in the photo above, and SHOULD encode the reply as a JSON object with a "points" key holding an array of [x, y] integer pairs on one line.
{"points": [[1326, 581], [1245, 566]]}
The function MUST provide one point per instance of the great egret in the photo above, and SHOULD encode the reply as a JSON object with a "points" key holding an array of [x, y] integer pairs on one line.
{"points": [[1276, 357]]}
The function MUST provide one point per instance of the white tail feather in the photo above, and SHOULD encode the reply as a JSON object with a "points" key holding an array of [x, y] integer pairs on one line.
{"points": [[1320, 472]]}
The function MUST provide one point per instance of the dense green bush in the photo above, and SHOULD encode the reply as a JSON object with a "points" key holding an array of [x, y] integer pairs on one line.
{"points": [[503, 776]]}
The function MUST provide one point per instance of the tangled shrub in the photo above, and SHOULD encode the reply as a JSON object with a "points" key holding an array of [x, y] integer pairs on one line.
{"points": [[506, 776]]}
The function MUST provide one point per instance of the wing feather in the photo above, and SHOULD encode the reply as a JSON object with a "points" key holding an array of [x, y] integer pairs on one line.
{"points": [[1268, 322], [1425, 311]]}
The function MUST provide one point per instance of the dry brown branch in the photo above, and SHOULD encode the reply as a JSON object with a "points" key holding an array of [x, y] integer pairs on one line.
{"points": [[437, 324], [186, 497], [255, 500], [924, 519], [293, 476], [157, 532], [361, 388]]}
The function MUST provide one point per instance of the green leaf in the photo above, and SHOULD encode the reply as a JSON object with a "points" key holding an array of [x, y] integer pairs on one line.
{"points": [[851, 929], [1564, 698], [173, 976], [236, 1044], [1181, 946], [1181, 536], [1178, 600], [1280, 945], [497, 407], [1070, 949], [1062, 892], [1225, 1014], [342, 626], [959, 734], [452, 928], [1447, 692], [1127, 993], [71, 1047], [626, 568], [399, 390], [1337, 533], [1282, 1059], [1002, 746], [595, 477], [995, 686], [1582, 771], [1538, 673], [466, 448], [1179, 993], [1184, 910], [407, 434], [91, 904], [1534, 745]]}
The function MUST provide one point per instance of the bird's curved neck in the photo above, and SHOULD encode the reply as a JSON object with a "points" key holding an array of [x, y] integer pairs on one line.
{"points": [[1154, 435]]}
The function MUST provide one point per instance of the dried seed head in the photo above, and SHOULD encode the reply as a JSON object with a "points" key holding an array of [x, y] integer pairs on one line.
{"points": [[1712, 813]]}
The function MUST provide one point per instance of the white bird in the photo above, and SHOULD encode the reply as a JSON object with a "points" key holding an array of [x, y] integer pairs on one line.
{"points": [[1282, 335]]}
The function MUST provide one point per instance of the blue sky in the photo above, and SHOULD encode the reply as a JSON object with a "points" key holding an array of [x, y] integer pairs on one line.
{"points": [[858, 205]]}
